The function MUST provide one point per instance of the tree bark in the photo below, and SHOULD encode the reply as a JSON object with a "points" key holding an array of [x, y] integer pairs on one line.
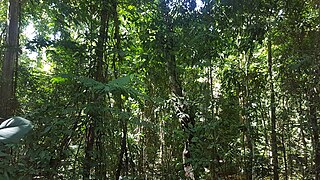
{"points": [[123, 149], [284, 154], [93, 134], [315, 131], [182, 109], [283, 140], [245, 119], [186, 119], [274, 147], [7, 98], [123, 160], [89, 151]]}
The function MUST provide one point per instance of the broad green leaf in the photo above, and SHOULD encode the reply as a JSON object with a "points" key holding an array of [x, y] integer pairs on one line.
{"points": [[13, 129]]}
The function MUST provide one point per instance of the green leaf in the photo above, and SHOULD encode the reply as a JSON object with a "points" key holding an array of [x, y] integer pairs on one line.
{"points": [[58, 79], [4, 176], [13, 129], [2, 154]]}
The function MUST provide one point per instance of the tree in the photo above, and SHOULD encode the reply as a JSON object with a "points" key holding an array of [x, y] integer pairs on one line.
{"points": [[273, 114], [8, 103], [167, 90]]}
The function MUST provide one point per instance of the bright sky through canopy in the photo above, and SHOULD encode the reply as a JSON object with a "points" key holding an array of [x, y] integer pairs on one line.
{"points": [[199, 4], [30, 33]]}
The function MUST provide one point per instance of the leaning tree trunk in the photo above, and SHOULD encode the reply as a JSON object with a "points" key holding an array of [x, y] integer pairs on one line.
{"points": [[274, 148], [7, 100]]}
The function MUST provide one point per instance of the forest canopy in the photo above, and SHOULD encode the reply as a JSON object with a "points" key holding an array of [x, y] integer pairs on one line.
{"points": [[164, 89]]}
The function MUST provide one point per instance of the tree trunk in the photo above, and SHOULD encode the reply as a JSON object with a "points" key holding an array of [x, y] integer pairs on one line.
{"points": [[123, 162], [284, 154], [123, 150], [182, 109], [100, 75], [186, 119], [7, 98], [95, 116], [89, 150], [213, 167], [303, 136], [248, 143], [273, 116], [101, 171], [315, 131]]}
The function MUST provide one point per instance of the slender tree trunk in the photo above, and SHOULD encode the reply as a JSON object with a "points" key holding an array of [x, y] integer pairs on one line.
{"points": [[273, 116], [315, 131], [284, 155], [182, 110], [95, 116], [7, 98], [284, 123], [100, 75], [247, 143], [248, 133], [284, 148], [101, 170], [123, 151], [303, 137], [89, 150], [123, 161], [213, 168], [185, 117]]}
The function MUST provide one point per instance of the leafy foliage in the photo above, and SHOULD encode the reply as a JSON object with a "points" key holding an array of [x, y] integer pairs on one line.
{"points": [[96, 80]]}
